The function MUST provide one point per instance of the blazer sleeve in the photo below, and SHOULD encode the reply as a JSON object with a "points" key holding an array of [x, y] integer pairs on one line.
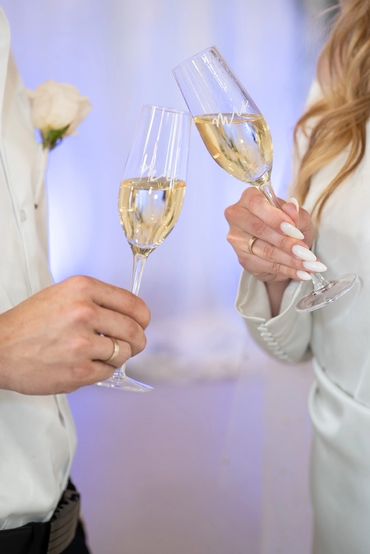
{"points": [[286, 336]]}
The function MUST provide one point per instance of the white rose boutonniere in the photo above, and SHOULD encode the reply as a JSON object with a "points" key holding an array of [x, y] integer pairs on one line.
{"points": [[57, 110]]}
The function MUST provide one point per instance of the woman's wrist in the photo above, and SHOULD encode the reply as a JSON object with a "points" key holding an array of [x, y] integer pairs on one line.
{"points": [[275, 291]]}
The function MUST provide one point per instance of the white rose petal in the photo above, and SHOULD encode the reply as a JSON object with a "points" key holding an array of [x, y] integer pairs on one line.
{"points": [[84, 108], [56, 106]]}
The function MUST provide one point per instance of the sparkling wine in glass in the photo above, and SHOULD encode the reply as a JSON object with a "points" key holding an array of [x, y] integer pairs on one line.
{"points": [[238, 138], [151, 196]]}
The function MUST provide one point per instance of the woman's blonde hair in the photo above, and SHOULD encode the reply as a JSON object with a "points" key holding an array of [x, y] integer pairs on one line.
{"points": [[338, 120]]}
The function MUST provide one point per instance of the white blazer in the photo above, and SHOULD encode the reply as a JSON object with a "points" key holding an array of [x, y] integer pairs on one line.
{"points": [[338, 338], [37, 436]]}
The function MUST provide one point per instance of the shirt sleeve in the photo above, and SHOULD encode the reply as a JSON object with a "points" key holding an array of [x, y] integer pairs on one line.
{"points": [[5, 303], [286, 336]]}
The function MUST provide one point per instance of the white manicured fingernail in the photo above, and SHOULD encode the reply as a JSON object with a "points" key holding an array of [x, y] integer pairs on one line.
{"points": [[315, 266], [291, 231], [294, 201], [304, 275], [303, 253]]}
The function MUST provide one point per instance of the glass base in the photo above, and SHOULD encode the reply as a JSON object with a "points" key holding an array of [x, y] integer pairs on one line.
{"points": [[322, 297], [120, 381]]}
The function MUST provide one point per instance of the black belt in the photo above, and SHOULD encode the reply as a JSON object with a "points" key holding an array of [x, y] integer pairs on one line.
{"points": [[51, 537]]}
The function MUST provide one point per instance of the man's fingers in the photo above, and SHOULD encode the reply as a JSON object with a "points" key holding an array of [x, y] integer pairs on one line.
{"points": [[111, 297], [121, 327], [104, 348], [89, 374]]}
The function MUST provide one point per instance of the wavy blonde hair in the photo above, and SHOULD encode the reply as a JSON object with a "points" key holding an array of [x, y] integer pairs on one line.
{"points": [[338, 120]]}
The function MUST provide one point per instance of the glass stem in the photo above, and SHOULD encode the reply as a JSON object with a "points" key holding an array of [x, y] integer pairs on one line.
{"points": [[266, 187], [319, 282], [137, 272]]}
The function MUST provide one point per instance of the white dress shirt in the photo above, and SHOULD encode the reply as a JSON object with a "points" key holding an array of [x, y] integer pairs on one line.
{"points": [[338, 338], [37, 436]]}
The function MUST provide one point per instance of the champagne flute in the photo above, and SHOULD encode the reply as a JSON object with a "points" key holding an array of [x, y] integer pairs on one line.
{"points": [[151, 196], [238, 138]]}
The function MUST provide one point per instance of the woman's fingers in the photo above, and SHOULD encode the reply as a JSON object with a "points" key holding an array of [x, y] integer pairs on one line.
{"points": [[258, 205], [270, 253], [248, 223], [271, 270], [287, 220], [291, 207], [272, 243], [302, 219], [249, 256]]}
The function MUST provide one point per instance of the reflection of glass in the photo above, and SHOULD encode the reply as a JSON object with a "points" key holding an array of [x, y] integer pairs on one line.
{"points": [[238, 138], [151, 196]]}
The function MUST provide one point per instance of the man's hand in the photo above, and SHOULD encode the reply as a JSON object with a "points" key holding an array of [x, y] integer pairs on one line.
{"points": [[57, 340]]}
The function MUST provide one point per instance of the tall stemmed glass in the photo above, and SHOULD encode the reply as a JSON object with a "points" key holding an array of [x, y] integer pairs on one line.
{"points": [[238, 138], [151, 196]]}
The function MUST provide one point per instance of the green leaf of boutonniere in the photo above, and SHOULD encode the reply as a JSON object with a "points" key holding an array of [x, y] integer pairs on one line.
{"points": [[53, 137]]}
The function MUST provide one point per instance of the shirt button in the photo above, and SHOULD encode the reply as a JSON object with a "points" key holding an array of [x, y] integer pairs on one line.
{"points": [[23, 216]]}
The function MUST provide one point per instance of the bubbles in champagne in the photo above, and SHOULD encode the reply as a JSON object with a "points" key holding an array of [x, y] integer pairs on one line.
{"points": [[149, 210], [240, 144]]}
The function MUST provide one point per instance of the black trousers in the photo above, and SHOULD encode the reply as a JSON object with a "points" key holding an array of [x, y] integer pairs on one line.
{"points": [[9, 544], [40, 538]]}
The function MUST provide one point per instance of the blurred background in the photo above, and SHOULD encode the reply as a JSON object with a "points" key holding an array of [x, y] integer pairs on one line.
{"points": [[215, 460]]}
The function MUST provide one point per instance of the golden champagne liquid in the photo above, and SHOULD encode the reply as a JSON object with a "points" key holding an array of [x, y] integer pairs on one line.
{"points": [[240, 144], [149, 210]]}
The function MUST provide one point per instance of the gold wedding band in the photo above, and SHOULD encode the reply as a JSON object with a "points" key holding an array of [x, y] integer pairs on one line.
{"points": [[251, 242], [115, 351]]}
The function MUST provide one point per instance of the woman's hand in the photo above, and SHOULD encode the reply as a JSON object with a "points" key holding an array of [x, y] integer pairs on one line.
{"points": [[272, 244]]}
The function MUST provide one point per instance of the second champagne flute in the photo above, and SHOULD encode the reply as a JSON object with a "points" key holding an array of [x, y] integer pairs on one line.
{"points": [[238, 138], [151, 196]]}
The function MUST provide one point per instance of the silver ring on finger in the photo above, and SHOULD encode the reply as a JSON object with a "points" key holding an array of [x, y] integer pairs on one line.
{"points": [[115, 351], [251, 242]]}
